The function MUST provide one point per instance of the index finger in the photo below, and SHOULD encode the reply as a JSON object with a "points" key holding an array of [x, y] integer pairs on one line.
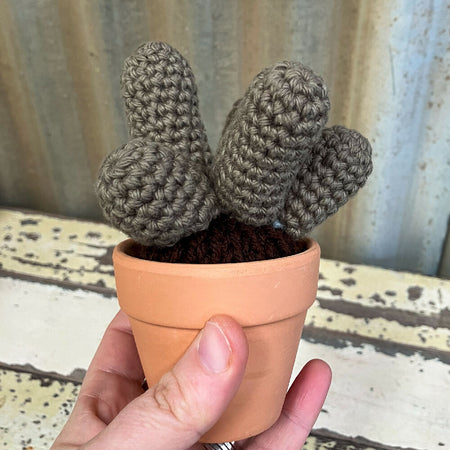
{"points": [[115, 375], [117, 351], [113, 380], [301, 408]]}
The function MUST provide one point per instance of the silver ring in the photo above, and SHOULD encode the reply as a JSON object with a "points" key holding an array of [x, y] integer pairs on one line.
{"points": [[224, 446]]}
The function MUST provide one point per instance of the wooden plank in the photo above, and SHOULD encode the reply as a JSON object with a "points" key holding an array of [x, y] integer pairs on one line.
{"points": [[319, 440], [399, 401], [371, 395], [50, 328], [56, 248], [385, 334], [35, 408], [398, 307]]}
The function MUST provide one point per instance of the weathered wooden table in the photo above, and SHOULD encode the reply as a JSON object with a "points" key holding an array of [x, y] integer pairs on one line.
{"points": [[385, 334]]}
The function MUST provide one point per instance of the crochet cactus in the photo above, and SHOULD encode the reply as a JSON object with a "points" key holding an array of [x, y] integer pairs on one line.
{"points": [[275, 161]]}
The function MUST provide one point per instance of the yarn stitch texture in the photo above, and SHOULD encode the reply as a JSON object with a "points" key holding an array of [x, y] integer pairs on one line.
{"points": [[268, 135], [275, 160], [155, 188]]}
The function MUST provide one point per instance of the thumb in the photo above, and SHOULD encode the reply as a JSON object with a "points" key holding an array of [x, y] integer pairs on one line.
{"points": [[188, 400]]}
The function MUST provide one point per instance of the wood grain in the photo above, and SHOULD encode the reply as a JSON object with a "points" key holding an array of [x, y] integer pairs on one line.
{"points": [[385, 334]]}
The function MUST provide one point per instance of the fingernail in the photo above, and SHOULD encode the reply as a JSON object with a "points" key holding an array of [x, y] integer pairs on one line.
{"points": [[214, 349]]}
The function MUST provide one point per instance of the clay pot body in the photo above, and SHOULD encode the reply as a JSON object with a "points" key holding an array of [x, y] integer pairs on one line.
{"points": [[168, 304]]}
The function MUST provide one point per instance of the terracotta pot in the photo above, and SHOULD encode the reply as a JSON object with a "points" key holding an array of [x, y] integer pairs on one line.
{"points": [[168, 304]]}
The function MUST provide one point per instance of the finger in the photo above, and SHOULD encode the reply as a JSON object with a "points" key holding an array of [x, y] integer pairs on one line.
{"points": [[113, 380], [300, 411], [187, 401], [117, 352], [115, 375]]}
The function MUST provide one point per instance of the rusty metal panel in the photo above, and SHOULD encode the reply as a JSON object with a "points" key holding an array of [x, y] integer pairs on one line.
{"points": [[386, 64], [397, 94]]}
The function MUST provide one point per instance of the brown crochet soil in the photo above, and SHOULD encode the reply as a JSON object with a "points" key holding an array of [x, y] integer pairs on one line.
{"points": [[225, 241]]}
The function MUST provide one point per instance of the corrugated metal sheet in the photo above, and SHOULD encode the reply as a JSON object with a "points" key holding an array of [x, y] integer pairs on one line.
{"points": [[386, 63]]}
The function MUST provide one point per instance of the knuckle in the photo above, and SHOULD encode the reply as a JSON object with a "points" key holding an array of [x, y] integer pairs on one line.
{"points": [[170, 396]]}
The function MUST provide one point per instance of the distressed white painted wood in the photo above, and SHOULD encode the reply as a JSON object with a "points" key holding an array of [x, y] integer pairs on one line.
{"points": [[57, 248], [385, 334], [401, 401], [371, 396], [33, 410], [51, 328], [80, 252]]}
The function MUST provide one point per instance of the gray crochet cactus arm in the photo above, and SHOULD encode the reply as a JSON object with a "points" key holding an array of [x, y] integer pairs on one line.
{"points": [[155, 188], [161, 102], [340, 165], [154, 194], [268, 135]]}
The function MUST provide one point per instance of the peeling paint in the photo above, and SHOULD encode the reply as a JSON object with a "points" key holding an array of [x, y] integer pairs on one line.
{"points": [[31, 236], [29, 222], [373, 322], [340, 340], [361, 328], [332, 290], [371, 281], [366, 381], [378, 299], [92, 266], [43, 407], [406, 318], [349, 281], [414, 293]]}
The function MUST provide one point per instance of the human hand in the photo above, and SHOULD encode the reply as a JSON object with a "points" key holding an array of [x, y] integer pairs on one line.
{"points": [[114, 411]]}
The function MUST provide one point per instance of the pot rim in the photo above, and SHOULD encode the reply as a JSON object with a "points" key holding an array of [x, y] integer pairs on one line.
{"points": [[254, 293], [121, 257]]}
